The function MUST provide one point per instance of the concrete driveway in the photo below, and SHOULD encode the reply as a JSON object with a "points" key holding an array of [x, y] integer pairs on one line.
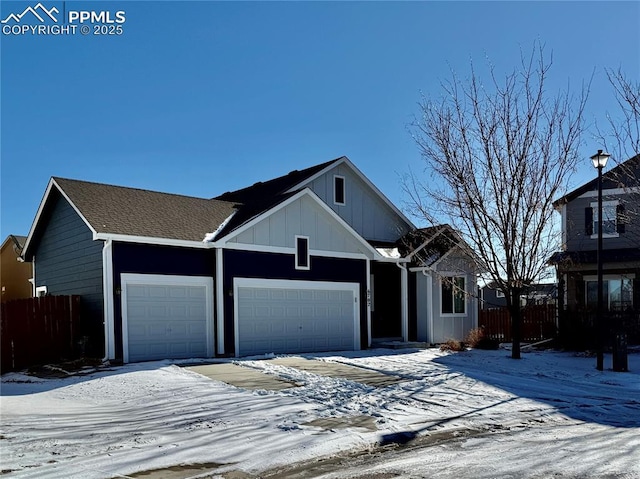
{"points": [[245, 377], [241, 377]]}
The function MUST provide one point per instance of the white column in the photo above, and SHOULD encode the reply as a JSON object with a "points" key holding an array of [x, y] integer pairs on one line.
{"points": [[404, 302], [219, 287], [107, 295]]}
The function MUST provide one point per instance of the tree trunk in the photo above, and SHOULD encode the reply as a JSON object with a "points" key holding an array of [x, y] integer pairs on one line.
{"points": [[516, 321], [515, 311]]}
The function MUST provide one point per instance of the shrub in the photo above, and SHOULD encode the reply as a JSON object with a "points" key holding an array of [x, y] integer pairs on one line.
{"points": [[453, 345], [474, 337], [477, 340]]}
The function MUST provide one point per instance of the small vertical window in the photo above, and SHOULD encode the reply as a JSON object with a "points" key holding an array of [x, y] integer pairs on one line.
{"points": [[453, 297], [302, 252], [338, 190]]}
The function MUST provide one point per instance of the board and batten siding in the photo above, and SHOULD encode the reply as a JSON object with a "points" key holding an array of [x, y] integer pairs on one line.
{"points": [[445, 326], [68, 261], [577, 238], [363, 208], [303, 217]]}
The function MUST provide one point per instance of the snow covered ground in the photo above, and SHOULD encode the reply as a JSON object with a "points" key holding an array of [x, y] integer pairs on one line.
{"points": [[550, 413]]}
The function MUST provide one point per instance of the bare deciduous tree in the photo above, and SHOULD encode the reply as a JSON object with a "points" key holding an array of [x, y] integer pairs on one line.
{"points": [[621, 138], [497, 156]]}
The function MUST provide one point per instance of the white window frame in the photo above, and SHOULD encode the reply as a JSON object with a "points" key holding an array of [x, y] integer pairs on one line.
{"points": [[499, 293], [307, 265], [594, 207], [335, 190], [450, 277], [41, 291]]}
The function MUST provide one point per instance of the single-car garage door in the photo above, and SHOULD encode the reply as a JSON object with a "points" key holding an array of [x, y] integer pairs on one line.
{"points": [[166, 317], [280, 316]]}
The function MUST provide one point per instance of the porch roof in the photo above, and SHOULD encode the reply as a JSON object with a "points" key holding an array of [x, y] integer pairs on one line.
{"points": [[590, 257]]}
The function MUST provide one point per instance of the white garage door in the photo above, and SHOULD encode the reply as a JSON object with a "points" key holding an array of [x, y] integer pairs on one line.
{"points": [[273, 316], [166, 317]]}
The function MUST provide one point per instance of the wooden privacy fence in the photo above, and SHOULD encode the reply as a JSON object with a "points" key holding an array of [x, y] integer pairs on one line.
{"points": [[38, 330], [538, 323]]}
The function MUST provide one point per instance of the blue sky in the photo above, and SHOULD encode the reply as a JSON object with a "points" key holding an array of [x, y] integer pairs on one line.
{"points": [[199, 98]]}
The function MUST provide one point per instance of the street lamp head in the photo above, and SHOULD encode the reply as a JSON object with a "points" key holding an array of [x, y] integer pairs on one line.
{"points": [[599, 160]]}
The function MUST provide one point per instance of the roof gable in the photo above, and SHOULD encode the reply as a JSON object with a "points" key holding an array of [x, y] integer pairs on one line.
{"points": [[301, 213], [625, 174], [428, 247], [345, 162]]}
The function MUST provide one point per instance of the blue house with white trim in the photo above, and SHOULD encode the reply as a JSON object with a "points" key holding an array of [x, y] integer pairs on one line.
{"points": [[315, 260]]}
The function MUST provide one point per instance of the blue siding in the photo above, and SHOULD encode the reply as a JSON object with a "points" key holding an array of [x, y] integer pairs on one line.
{"points": [[250, 264], [68, 261], [155, 259]]}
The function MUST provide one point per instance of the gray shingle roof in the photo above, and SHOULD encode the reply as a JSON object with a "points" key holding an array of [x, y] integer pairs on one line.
{"points": [[135, 212]]}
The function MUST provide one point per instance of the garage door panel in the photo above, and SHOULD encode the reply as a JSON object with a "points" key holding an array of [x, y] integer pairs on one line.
{"points": [[166, 321], [295, 319]]}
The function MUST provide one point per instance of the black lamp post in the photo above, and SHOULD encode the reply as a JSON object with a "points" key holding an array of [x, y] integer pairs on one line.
{"points": [[599, 161]]}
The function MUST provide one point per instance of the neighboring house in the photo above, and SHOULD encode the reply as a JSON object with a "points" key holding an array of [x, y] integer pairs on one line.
{"points": [[577, 264], [309, 261], [544, 293], [15, 274]]}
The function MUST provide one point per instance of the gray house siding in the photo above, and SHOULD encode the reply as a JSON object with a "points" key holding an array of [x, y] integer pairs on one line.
{"points": [[302, 217], [68, 261], [432, 325], [363, 208], [579, 239]]}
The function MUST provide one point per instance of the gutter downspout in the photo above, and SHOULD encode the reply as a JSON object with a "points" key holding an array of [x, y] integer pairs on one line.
{"points": [[107, 293], [33, 276]]}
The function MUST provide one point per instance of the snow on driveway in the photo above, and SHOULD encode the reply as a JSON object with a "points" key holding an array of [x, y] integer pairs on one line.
{"points": [[549, 413]]}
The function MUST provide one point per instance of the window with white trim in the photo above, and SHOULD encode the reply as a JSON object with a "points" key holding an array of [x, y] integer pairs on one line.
{"points": [[302, 253], [613, 222], [41, 291], [339, 196], [453, 295]]}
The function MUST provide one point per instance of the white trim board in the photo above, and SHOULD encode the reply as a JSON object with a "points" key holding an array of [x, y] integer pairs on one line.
{"points": [[611, 191], [161, 279], [283, 250], [296, 284], [153, 240]]}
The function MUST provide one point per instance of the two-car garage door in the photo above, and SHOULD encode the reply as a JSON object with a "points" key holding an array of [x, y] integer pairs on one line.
{"points": [[283, 316]]}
